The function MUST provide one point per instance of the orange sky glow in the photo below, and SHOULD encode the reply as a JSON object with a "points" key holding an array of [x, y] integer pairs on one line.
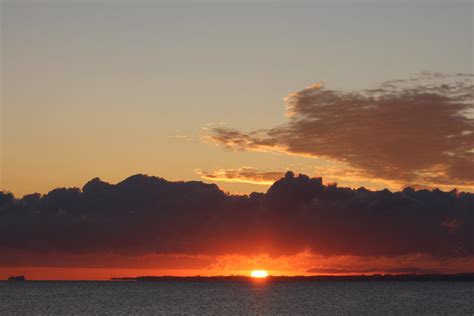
{"points": [[104, 267]]}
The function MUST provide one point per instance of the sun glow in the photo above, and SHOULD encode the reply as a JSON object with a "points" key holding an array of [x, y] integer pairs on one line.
{"points": [[259, 274]]}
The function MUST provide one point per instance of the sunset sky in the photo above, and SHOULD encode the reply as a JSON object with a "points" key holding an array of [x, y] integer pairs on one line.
{"points": [[361, 93]]}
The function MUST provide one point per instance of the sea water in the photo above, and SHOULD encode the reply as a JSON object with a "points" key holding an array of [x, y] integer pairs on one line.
{"points": [[237, 298]]}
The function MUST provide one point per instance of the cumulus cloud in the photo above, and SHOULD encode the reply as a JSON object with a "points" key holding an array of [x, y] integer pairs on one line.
{"points": [[416, 131], [150, 215], [243, 175]]}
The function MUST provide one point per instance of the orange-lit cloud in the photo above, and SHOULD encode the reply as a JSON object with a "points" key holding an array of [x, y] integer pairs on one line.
{"points": [[333, 173], [309, 263], [414, 131], [243, 175]]}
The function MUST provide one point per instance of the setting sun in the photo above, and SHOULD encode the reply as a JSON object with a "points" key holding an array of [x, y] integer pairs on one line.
{"points": [[259, 274]]}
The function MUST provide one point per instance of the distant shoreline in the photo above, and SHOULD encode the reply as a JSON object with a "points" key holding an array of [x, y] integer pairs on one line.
{"points": [[461, 277], [374, 277]]}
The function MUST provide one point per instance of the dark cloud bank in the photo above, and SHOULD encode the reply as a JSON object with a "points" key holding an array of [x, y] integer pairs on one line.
{"points": [[145, 214], [413, 131]]}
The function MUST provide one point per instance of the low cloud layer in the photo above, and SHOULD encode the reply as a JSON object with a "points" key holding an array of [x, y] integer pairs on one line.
{"points": [[150, 215], [417, 131]]}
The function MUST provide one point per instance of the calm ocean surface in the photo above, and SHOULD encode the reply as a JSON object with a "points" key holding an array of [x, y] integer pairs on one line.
{"points": [[231, 298]]}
